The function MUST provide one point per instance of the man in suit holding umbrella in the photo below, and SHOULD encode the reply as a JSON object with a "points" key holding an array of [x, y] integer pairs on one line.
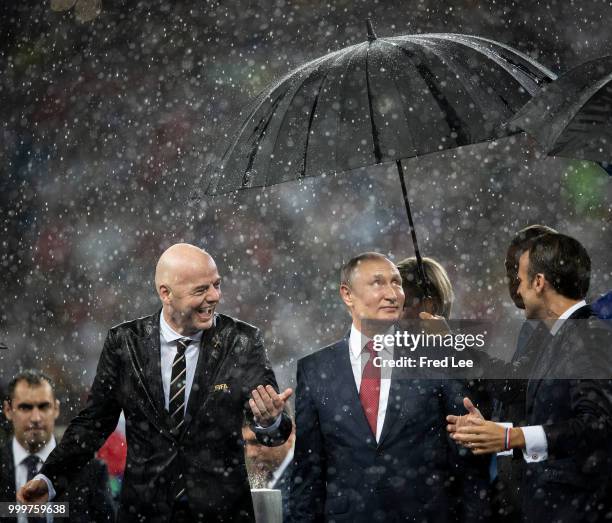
{"points": [[184, 378]]}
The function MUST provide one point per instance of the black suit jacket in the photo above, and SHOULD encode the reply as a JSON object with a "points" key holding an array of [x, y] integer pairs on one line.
{"points": [[88, 496], [414, 473], [208, 450], [574, 483]]}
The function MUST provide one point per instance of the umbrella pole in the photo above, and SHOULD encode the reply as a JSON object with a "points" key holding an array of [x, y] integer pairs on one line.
{"points": [[417, 253]]}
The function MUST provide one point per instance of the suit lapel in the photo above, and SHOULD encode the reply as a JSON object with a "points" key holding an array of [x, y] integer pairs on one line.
{"points": [[151, 359], [548, 349], [146, 357], [341, 368], [209, 361], [394, 407], [539, 345]]}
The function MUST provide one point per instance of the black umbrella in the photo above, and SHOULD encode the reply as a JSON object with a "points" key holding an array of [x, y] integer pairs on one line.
{"points": [[572, 116], [379, 101]]}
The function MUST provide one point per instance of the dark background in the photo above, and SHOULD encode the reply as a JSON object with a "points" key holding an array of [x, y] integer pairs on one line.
{"points": [[107, 126]]}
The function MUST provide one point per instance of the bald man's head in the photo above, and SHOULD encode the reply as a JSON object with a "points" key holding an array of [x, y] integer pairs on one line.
{"points": [[188, 284], [177, 262]]}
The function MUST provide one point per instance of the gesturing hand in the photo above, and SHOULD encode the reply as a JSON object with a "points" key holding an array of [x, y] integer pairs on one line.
{"points": [[34, 491], [481, 437], [456, 422], [266, 404]]}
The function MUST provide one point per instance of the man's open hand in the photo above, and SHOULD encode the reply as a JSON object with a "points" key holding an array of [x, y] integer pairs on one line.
{"points": [[34, 491], [266, 404], [481, 437], [456, 422]]}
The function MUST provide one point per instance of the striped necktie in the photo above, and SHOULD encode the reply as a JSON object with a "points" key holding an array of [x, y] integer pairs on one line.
{"points": [[178, 379]]}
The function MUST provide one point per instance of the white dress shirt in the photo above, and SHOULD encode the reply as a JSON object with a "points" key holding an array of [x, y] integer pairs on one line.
{"points": [[536, 446], [281, 468], [359, 359], [21, 470], [168, 344]]}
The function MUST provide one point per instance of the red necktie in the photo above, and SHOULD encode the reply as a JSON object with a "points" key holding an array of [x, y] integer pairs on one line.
{"points": [[369, 392]]}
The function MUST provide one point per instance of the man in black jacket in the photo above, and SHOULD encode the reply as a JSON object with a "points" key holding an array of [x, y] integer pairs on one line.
{"points": [[509, 402], [32, 408], [567, 436], [184, 378]]}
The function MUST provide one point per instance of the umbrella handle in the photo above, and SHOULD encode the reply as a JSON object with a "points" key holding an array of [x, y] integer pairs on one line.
{"points": [[424, 281]]}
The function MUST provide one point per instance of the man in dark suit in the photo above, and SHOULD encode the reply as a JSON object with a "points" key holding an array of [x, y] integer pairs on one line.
{"points": [[370, 448], [566, 440], [184, 377], [509, 396], [32, 408]]}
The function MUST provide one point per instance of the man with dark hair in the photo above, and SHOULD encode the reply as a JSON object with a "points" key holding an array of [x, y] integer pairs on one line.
{"points": [[564, 263], [567, 437], [184, 377], [32, 408], [518, 245], [368, 447], [509, 397]]}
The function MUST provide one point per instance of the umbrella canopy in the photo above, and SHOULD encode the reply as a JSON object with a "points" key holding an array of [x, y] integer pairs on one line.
{"points": [[572, 116], [375, 102]]}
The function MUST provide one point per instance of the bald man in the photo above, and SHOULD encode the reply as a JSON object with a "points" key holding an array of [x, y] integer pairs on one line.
{"points": [[184, 377]]}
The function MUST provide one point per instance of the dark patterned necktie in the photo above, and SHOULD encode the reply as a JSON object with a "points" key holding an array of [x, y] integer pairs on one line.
{"points": [[178, 379], [31, 463]]}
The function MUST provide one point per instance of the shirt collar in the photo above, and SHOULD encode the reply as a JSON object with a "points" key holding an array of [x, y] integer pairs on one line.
{"points": [[559, 323], [281, 468], [170, 335], [19, 453], [357, 341]]}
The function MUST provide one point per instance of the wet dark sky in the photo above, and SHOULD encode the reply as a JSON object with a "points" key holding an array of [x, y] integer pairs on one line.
{"points": [[107, 126]]}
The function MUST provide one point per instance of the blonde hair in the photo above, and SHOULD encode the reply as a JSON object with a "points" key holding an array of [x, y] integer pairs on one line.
{"points": [[438, 284]]}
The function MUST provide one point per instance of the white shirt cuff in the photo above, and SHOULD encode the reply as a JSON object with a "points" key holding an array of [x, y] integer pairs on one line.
{"points": [[506, 425], [271, 428], [49, 485], [536, 446]]}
